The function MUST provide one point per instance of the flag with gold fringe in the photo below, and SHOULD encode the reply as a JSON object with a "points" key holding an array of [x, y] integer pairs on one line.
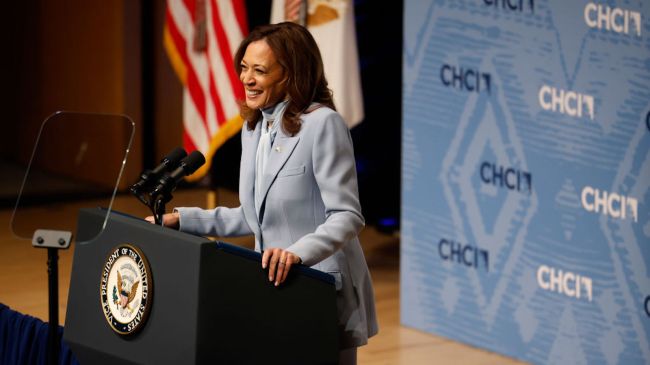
{"points": [[201, 38]]}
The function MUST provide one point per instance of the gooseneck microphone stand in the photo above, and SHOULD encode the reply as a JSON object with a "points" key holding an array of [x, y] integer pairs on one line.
{"points": [[155, 203], [162, 193], [155, 193], [157, 206]]}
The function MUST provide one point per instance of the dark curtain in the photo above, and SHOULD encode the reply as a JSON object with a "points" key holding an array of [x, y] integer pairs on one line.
{"points": [[23, 340]]}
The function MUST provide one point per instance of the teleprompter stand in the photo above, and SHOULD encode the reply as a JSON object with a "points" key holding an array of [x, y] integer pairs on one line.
{"points": [[75, 155], [54, 241]]}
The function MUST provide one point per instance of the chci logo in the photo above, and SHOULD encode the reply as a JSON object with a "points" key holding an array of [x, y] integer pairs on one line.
{"points": [[126, 289]]}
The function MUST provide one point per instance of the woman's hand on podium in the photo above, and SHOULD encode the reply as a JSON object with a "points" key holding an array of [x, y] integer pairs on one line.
{"points": [[171, 220], [279, 262]]}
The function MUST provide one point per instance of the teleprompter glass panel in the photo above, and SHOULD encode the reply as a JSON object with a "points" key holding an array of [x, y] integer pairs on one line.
{"points": [[78, 159]]}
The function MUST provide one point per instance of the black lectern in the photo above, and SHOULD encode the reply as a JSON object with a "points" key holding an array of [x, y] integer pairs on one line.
{"points": [[210, 302]]}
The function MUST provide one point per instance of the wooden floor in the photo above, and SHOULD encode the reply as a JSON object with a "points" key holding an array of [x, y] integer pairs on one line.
{"points": [[23, 284]]}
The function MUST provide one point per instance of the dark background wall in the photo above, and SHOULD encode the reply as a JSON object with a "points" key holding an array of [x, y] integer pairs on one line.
{"points": [[70, 55], [99, 56]]}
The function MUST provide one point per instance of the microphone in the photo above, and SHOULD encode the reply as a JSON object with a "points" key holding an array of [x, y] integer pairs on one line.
{"points": [[187, 166], [149, 177]]}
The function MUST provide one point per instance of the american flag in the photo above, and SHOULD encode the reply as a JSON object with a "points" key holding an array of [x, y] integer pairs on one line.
{"points": [[201, 38]]}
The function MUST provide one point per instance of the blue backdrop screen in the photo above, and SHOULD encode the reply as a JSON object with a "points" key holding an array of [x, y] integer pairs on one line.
{"points": [[525, 177]]}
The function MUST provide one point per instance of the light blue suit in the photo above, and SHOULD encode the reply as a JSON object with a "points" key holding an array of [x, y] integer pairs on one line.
{"points": [[311, 208]]}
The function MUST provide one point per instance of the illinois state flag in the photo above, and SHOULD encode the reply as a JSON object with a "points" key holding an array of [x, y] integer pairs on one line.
{"points": [[331, 22], [201, 38]]}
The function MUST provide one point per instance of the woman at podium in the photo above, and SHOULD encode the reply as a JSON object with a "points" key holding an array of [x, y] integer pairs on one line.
{"points": [[298, 181]]}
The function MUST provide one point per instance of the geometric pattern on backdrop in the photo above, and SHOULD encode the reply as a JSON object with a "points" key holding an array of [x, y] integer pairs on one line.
{"points": [[526, 177]]}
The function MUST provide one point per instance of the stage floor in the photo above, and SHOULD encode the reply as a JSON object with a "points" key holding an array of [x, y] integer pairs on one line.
{"points": [[23, 283]]}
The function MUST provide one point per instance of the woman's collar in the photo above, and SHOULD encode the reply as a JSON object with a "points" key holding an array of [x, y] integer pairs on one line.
{"points": [[274, 112]]}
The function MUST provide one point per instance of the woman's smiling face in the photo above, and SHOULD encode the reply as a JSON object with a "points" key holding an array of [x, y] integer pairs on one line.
{"points": [[262, 76]]}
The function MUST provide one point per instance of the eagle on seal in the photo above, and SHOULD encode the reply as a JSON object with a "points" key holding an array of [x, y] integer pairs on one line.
{"points": [[126, 294]]}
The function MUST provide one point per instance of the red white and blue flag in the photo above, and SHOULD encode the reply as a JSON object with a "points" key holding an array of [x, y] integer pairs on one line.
{"points": [[201, 38]]}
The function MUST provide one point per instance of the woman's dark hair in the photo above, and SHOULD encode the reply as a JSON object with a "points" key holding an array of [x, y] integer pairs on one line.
{"points": [[297, 52]]}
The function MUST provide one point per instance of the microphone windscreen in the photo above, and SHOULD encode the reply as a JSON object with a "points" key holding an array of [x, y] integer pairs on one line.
{"points": [[175, 155], [193, 161]]}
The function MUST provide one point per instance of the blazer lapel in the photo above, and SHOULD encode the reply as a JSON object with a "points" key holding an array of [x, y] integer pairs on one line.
{"points": [[250, 139], [282, 148]]}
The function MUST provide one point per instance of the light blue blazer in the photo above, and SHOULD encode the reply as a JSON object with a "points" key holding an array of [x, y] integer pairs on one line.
{"points": [[311, 208]]}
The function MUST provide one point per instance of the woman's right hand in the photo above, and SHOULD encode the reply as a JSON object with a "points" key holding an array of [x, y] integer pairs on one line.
{"points": [[171, 220]]}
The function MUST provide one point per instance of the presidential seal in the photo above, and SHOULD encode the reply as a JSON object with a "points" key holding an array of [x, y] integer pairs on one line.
{"points": [[126, 289]]}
